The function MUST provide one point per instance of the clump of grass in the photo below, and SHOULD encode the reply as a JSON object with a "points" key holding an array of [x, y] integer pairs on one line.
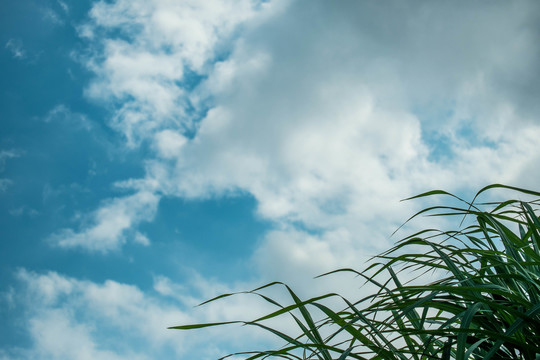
{"points": [[484, 303]]}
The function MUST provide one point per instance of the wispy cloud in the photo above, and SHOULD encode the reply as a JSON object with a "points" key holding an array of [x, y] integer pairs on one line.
{"points": [[105, 229], [5, 155], [5, 184], [16, 48], [141, 239], [64, 6], [56, 15], [8, 154], [61, 112], [24, 211]]}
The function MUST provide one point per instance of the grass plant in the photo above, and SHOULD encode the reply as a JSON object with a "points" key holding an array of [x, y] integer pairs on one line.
{"points": [[483, 304]]}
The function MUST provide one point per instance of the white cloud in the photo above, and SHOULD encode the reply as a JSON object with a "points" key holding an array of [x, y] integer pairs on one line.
{"points": [[112, 320], [326, 113], [106, 227], [49, 332], [326, 116], [89, 312], [169, 143], [335, 117], [296, 257], [147, 72], [141, 239]]}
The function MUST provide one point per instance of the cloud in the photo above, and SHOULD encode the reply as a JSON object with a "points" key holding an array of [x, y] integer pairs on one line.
{"points": [[89, 312], [146, 74], [4, 184], [52, 16], [112, 320], [4, 156], [24, 210], [289, 254], [64, 6], [105, 229], [333, 130], [328, 129], [63, 113], [49, 330], [141, 239], [8, 154], [169, 143], [148, 69], [16, 48], [327, 114]]}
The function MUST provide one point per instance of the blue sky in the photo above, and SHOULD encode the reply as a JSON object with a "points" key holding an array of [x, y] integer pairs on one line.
{"points": [[157, 153]]}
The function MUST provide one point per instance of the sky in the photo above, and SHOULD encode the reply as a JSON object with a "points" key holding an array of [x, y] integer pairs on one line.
{"points": [[157, 153]]}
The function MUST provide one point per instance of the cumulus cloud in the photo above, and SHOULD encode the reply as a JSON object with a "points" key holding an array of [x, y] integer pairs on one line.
{"points": [[327, 114], [88, 312], [169, 143], [147, 72], [148, 68], [333, 126]]}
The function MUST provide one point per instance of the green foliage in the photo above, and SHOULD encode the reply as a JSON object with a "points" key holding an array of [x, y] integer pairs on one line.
{"points": [[484, 303]]}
